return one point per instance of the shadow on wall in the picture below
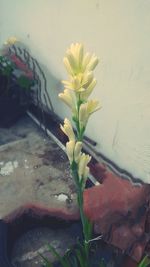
(53, 85)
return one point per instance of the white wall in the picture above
(118, 31)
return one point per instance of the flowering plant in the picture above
(13, 68)
(77, 90)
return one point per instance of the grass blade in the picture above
(80, 258)
(145, 262)
(47, 263)
(62, 260)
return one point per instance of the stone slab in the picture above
(33, 169)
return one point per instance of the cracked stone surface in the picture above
(34, 175)
(34, 169)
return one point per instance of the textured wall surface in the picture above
(118, 32)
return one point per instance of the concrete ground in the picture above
(33, 169)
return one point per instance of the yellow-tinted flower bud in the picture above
(85, 176)
(76, 84)
(80, 68)
(86, 109)
(89, 90)
(77, 151)
(92, 63)
(67, 84)
(11, 40)
(72, 61)
(77, 51)
(67, 98)
(84, 160)
(92, 106)
(74, 56)
(67, 65)
(73, 49)
(70, 150)
(87, 79)
(83, 115)
(80, 54)
(86, 173)
(68, 130)
(85, 61)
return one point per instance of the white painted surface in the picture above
(8, 167)
(118, 31)
(62, 197)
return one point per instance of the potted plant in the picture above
(16, 80)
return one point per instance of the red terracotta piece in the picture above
(37, 209)
(119, 210)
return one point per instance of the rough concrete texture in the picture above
(34, 175)
(119, 210)
(34, 169)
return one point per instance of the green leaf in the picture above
(82, 248)
(82, 130)
(145, 262)
(7, 70)
(24, 82)
(88, 228)
(80, 258)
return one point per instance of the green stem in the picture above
(86, 225)
(79, 130)
(84, 220)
